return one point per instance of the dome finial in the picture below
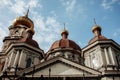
(96, 29)
(95, 21)
(64, 27)
(27, 12)
(64, 33)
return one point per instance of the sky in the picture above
(49, 17)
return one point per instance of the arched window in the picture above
(28, 62)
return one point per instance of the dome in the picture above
(24, 20)
(64, 43)
(65, 48)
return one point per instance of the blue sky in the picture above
(49, 15)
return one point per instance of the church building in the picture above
(21, 57)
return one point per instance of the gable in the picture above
(59, 66)
(60, 69)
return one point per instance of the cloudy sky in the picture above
(49, 15)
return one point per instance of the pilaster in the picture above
(16, 58)
(106, 56)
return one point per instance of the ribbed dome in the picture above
(64, 43)
(24, 20)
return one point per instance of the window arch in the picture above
(28, 62)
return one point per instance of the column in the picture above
(10, 59)
(5, 66)
(90, 61)
(102, 58)
(87, 61)
(35, 61)
(112, 56)
(106, 56)
(22, 58)
(16, 58)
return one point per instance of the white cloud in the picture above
(69, 5)
(18, 7)
(53, 13)
(108, 5)
(47, 30)
(34, 4)
(4, 3)
(39, 23)
(52, 24)
(3, 33)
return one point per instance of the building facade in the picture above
(21, 57)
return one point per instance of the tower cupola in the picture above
(96, 29)
(97, 33)
(64, 33)
(26, 21)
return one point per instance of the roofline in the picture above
(21, 44)
(108, 41)
(76, 75)
(69, 62)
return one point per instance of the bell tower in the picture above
(102, 54)
(93, 55)
(19, 48)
